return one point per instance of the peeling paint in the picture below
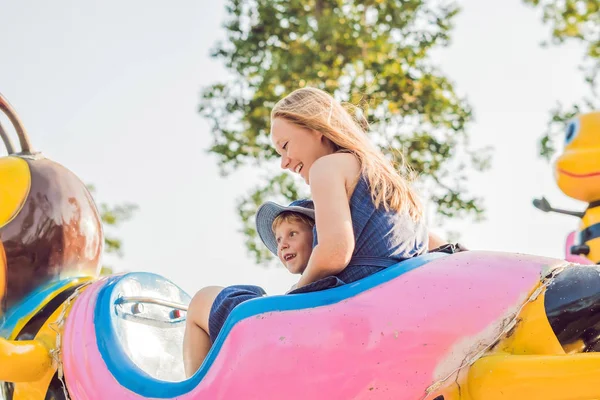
(468, 350)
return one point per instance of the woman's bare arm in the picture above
(328, 177)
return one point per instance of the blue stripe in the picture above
(134, 379)
(590, 233)
(28, 305)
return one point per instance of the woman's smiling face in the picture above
(298, 147)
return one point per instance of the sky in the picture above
(111, 91)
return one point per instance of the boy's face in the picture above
(294, 245)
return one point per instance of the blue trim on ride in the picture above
(28, 305)
(136, 380)
(590, 233)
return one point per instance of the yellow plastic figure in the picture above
(577, 173)
(50, 245)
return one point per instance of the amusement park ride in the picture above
(577, 173)
(471, 325)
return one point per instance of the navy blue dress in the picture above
(383, 238)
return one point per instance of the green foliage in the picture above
(574, 20)
(112, 217)
(372, 53)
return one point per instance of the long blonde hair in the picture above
(314, 109)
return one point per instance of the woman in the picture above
(367, 215)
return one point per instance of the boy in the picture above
(288, 232)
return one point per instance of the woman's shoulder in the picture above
(336, 169)
(345, 163)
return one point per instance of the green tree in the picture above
(572, 20)
(372, 53)
(112, 217)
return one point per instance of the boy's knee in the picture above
(199, 307)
